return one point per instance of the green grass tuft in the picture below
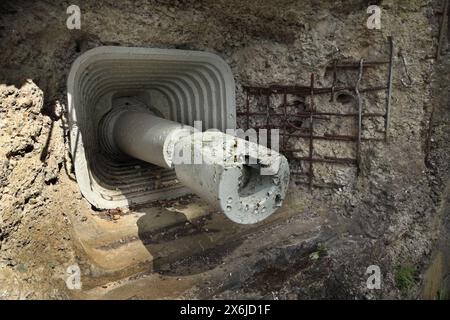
(405, 277)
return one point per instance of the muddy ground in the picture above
(394, 214)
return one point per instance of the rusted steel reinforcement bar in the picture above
(389, 90)
(315, 114)
(346, 161)
(326, 137)
(323, 185)
(305, 91)
(283, 146)
(333, 137)
(444, 20)
(333, 86)
(358, 141)
(330, 137)
(311, 134)
(268, 116)
(355, 64)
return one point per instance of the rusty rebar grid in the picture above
(285, 118)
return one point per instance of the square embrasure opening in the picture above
(183, 86)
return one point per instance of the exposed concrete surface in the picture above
(388, 216)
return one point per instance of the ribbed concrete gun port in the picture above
(178, 85)
(246, 181)
(130, 117)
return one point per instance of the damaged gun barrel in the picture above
(246, 181)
